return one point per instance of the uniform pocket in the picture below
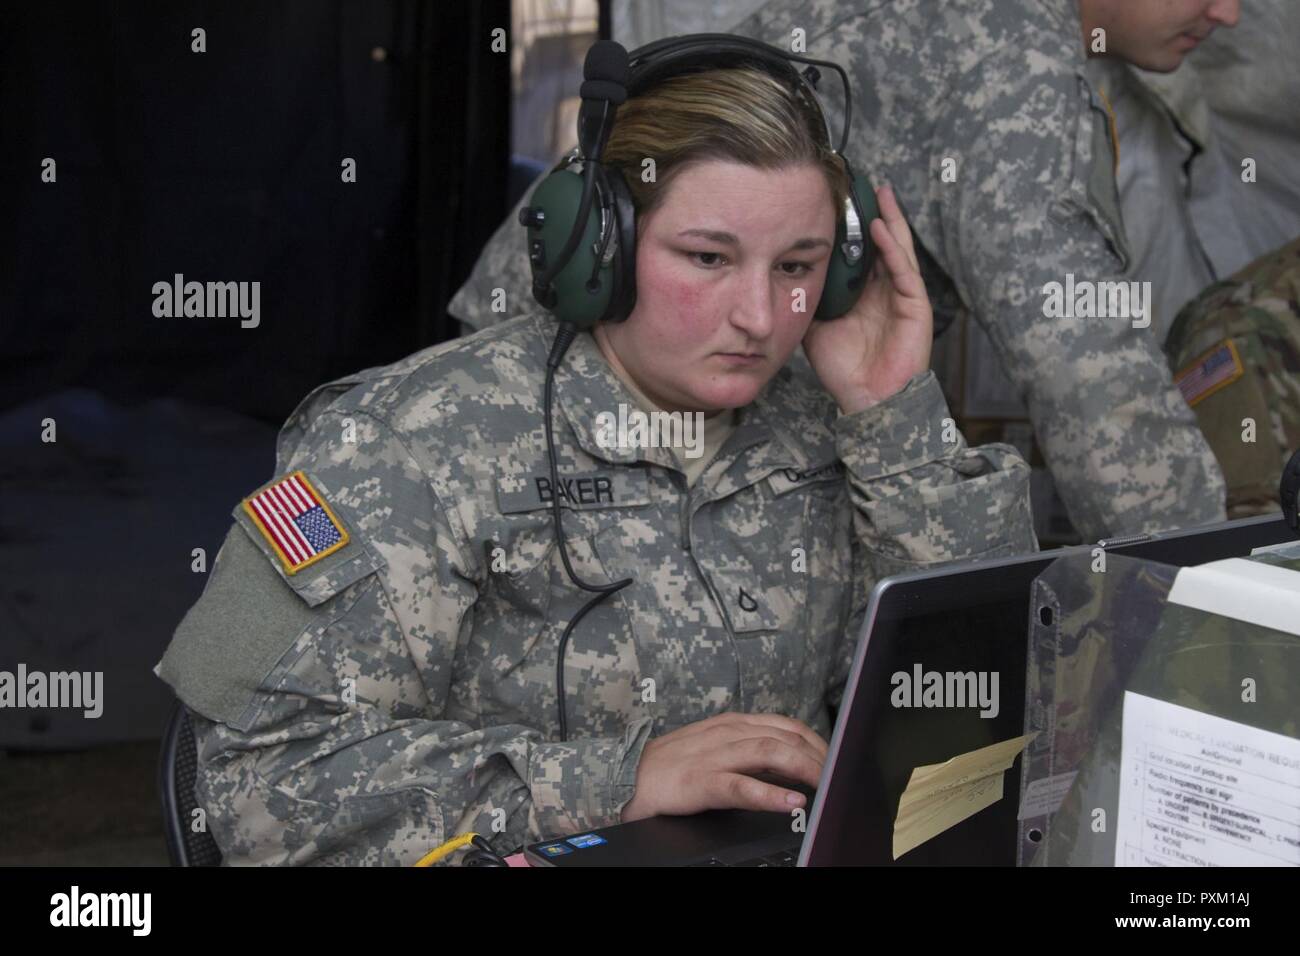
(757, 560)
(521, 616)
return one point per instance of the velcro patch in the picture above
(296, 521)
(617, 488)
(787, 479)
(1216, 369)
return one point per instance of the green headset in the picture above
(581, 221)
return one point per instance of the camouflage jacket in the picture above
(982, 116)
(401, 689)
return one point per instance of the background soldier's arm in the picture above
(503, 264)
(1029, 207)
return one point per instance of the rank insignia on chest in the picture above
(296, 521)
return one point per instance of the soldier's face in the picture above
(1155, 34)
(732, 261)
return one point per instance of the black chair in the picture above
(177, 767)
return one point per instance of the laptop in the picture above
(965, 616)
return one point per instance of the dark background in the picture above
(225, 166)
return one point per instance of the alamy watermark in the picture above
(1098, 300)
(76, 908)
(210, 300)
(634, 428)
(922, 688)
(75, 689)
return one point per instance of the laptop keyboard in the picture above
(783, 858)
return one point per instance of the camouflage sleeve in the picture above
(1033, 203)
(921, 496)
(503, 264)
(357, 747)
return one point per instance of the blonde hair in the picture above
(744, 114)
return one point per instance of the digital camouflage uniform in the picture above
(1000, 87)
(442, 614)
(1235, 351)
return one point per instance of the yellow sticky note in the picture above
(941, 795)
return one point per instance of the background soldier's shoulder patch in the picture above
(296, 521)
(1216, 369)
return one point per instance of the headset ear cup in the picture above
(546, 205)
(845, 280)
(624, 300)
(558, 199)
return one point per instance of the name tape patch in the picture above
(615, 489)
(296, 521)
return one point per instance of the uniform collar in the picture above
(1182, 94)
(784, 427)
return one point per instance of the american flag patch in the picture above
(1215, 369)
(296, 521)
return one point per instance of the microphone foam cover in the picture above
(605, 71)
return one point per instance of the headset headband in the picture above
(673, 56)
(658, 59)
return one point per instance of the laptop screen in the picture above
(967, 619)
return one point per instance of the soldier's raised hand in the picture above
(870, 352)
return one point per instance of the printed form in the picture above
(1198, 790)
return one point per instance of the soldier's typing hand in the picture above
(709, 765)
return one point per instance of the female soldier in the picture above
(372, 667)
